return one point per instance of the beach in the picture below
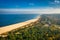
(16, 26)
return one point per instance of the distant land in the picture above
(54, 18)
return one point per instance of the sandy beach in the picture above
(15, 26)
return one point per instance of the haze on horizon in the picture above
(30, 6)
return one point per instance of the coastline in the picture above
(16, 26)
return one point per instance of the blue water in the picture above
(8, 19)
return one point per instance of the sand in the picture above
(15, 26)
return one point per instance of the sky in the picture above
(38, 6)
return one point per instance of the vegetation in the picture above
(53, 18)
(36, 32)
(39, 31)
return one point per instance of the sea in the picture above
(8, 19)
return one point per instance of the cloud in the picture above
(31, 4)
(54, 4)
(57, 1)
(34, 11)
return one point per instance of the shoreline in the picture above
(5, 29)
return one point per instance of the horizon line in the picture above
(39, 11)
